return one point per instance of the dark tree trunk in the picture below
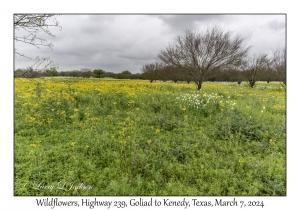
(199, 85)
(252, 83)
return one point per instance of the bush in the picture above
(234, 123)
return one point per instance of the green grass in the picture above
(159, 142)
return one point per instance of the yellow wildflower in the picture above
(130, 102)
(33, 145)
(272, 142)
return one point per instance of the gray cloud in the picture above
(276, 25)
(189, 21)
(126, 42)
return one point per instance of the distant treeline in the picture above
(153, 73)
(97, 73)
(163, 74)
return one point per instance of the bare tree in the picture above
(278, 65)
(150, 71)
(162, 75)
(87, 74)
(85, 69)
(186, 77)
(27, 73)
(254, 66)
(199, 53)
(239, 77)
(170, 73)
(29, 29)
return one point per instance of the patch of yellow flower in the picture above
(33, 145)
(272, 142)
(95, 119)
(130, 102)
(49, 120)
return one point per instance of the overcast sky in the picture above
(116, 43)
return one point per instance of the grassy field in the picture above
(132, 137)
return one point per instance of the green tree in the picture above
(98, 72)
(52, 72)
(126, 72)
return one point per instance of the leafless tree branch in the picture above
(199, 53)
(254, 66)
(34, 25)
(278, 64)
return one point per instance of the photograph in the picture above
(179, 104)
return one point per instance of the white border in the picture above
(8, 201)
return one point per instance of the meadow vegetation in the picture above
(133, 137)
